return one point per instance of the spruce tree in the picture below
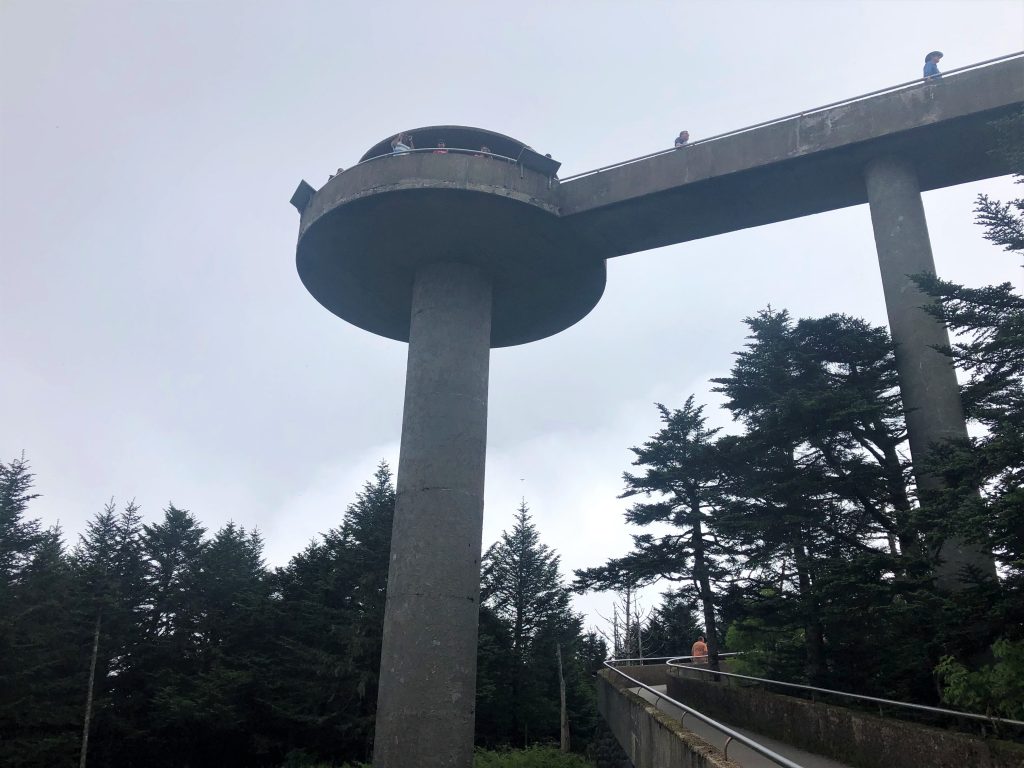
(328, 625)
(109, 569)
(18, 535)
(521, 584)
(228, 692)
(156, 690)
(42, 686)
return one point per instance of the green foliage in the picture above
(767, 651)
(534, 757)
(42, 679)
(522, 584)
(987, 324)
(525, 619)
(18, 536)
(995, 689)
(674, 625)
(681, 483)
(328, 620)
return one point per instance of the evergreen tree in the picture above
(593, 652)
(155, 685)
(521, 584)
(819, 500)
(989, 324)
(674, 625)
(983, 500)
(494, 708)
(109, 569)
(18, 536)
(42, 686)
(34, 595)
(328, 628)
(682, 471)
(227, 690)
(367, 531)
(780, 503)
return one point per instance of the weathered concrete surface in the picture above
(649, 737)
(852, 737)
(739, 752)
(366, 232)
(797, 167)
(928, 386)
(648, 674)
(426, 701)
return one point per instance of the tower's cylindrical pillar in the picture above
(426, 701)
(931, 396)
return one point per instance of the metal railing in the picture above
(643, 659)
(861, 697)
(918, 81)
(731, 735)
(438, 151)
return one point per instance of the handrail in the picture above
(733, 735)
(889, 89)
(439, 151)
(860, 696)
(673, 658)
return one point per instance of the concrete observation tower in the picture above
(460, 251)
(455, 253)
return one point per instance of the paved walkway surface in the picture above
(740, 752)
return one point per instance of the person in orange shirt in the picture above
(699, 651)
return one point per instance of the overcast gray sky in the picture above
(158, 344)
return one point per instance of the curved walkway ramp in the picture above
(668, 715)
(657, 732)
(741, 753)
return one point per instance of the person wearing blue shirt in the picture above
(931, 66)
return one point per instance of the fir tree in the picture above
(329, 623)
(109, 568)
(18, 536)
(42, 686)
(521, 584)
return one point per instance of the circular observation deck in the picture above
(364, 234)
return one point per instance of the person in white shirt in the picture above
(402, 143)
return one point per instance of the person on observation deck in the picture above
(402, 143)
(682, 138)
(442, 148)
(931, 66)
(699, 651)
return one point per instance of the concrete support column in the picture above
(931, 396)
(426, 702)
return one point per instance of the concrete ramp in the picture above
(797, 166)
(651, 738)
(853, 737)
